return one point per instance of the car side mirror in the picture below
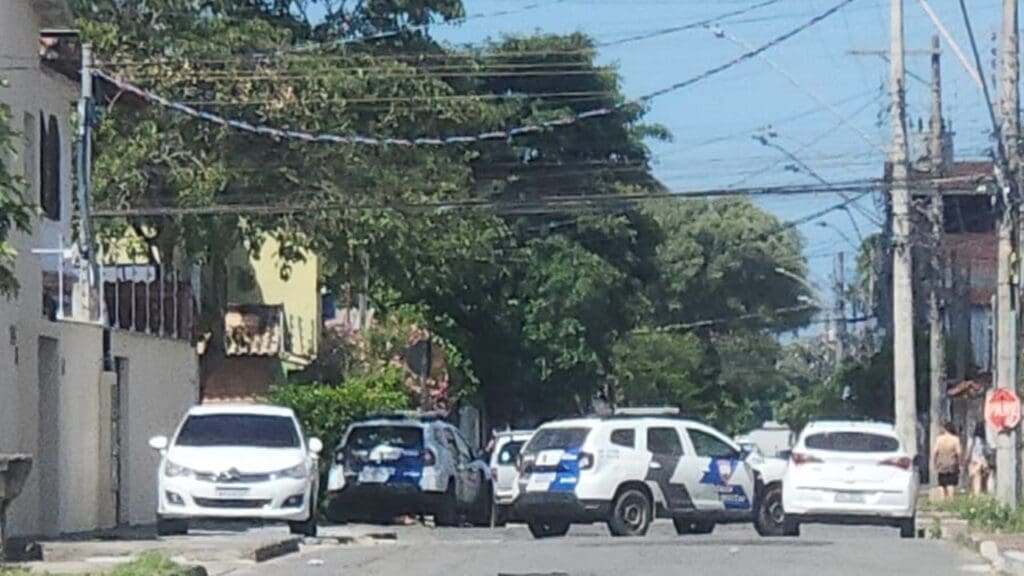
(316, 446)
(158, 443)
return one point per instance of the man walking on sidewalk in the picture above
(946, 459)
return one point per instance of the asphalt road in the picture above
(590, 551)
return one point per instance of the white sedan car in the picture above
(238, 462)
(850, 473)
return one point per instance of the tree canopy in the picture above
(15, 212)
(548, 306)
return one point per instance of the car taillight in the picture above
(585, 460)
(903, 463)
(428, 457)
(798, 458)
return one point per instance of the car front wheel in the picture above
(447, 513)
(631, 514)
(684, 526)
(171, 526)
(769, 519)
(548, 528)
(481, 513)
(307, 527)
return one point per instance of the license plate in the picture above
(850, 498)
(374, 475)
(230, 492)
(540, 482)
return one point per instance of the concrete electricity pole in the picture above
(937, 340)
(85, 308)
(840, 309)
(902, 270)
(1006, 315)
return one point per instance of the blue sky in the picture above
(713, 121)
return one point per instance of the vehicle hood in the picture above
(246, 460)
(770, 468)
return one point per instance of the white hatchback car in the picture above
(850, 473)
(238, 462)
(504, 456)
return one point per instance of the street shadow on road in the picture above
(774, 543)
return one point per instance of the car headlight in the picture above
(172, 470)
(298, 471)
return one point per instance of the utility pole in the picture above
(840, 309)
(902, 270)
(365, 296)
(1006, 308)
(88, 269)
(936, 338)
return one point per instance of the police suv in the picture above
(408, 463)
(637, 465)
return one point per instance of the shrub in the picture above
(986, 514)
(326, 411)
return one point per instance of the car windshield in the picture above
(852, 442)
(249, 430)
(557, 438)
(509, 452)
(368, 437)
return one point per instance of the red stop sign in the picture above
(1002, 410)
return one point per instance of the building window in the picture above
(29, 162)
(49, 167)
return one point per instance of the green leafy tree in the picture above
(729, 259)
(663, 369)
(15, 212)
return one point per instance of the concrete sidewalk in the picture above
(209, 551)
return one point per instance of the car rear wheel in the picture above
(686, 526)
(631, 513)
(770, 520)
(548, 528)
(790, 527)
(171, 526)
(447, 513)
(908, 528)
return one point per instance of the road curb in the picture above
(1005, 563)
(370, 538)
(276, 549)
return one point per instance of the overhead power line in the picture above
(306, 49)
(300, 135)
(536, 206)
(684, 27)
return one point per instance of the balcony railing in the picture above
(149, 299)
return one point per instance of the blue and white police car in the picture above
(408, 463)
(635, 466)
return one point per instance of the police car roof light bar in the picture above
(647, 411)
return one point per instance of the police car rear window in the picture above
(369, 437)
(852, 442)
(557, 438)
